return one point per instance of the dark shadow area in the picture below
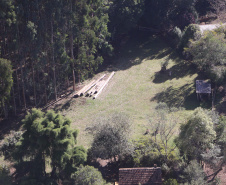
(139, 46)
(179, 70)
(184, 96)
(220, 100)
(11, 124)
(66, 104)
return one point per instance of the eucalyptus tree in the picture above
(6, 82)
(124, 15)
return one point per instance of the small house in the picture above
(140, 176)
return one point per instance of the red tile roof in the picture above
(143, 176)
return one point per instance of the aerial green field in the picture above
(137, 87)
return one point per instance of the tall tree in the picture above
(6, 82)
(124, 15)
(197, 135)
(163, 127)
(209, 54)
(48, 136)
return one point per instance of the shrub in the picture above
(88, 175)
(197, 135)
(193, 174)
(9, 143)
(208, 54)
(171, 182)
(111, 137)
(175, 37)
(190, 32)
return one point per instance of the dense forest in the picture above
(48, 48)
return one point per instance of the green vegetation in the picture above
(197, 135)
(137, 87)
(193, 174)
(111, 137)
(47, 137)
(6, 83)
(147, 115)
(209, 53)
(88, 175)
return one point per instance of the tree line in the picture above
(51, 43)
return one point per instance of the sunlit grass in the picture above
(137, 87)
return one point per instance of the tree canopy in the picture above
(48, 137)
(111, 137)
(209, 54)
(88, 175)
(196, 135)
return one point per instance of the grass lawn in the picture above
(137, 87)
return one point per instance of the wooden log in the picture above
(105, 83)
(91, 90)
(79, 93)
(96, 88)
(87, 88)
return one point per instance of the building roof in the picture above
(203, 86)
(143, 176)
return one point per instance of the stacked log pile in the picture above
(94, 88)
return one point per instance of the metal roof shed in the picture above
(203, 87)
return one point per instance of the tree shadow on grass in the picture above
(140, 46)
(179, 70)
(183, 96)
(65, 105)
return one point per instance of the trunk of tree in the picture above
(53, 173)
(72, 53)
(46, 96)
(22, 82)
(72, 57)
(18, 87)
(53, 58)
(68, 83)
(5, 109)
(33, 74)
(14, 100)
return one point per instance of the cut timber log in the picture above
(99, 86)
(91, 89)
(90, 92)
(105, 83)
(88, 87)
(95, 88)
(80, 92)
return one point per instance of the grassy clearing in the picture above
(137, 87)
